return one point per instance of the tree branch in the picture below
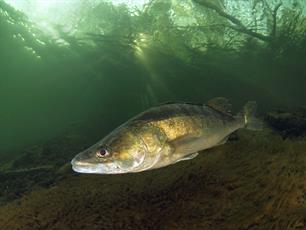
(238, 25)
(274, 16)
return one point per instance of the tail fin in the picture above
(248, 115)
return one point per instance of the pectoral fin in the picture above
(184, 140)
(185, 144)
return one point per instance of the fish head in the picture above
(120, 152)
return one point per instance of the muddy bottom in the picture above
(255, 181)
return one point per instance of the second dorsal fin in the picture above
(220, 104)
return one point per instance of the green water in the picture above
(81, 68)
(88, 66)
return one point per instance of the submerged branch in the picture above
(238, 25)
(274, 15)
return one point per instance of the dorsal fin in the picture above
(220, 104)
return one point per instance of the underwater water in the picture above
(71, 71)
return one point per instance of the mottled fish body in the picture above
(164, 135)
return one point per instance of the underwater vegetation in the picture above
(111, 59)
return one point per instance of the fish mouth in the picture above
(96, 168)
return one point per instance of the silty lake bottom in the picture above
(73, 71)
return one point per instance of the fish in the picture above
(164, 135)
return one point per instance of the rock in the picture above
(288, 124)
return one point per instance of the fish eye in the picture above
(102, 153)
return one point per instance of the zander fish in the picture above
(164, 135)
